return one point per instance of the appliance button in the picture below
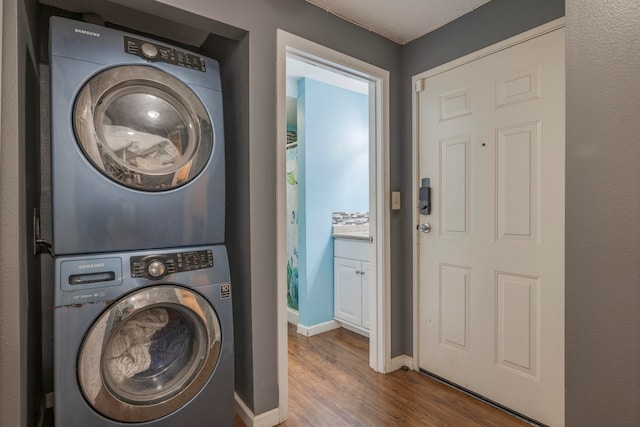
(149, 51)
(156, 269)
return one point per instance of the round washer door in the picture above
(149, 353)
(143, 128)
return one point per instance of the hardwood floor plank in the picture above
(331, 384)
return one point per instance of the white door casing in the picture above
(490, 294)
(380, 310)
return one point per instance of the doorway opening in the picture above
(327, 171)
(308, 62)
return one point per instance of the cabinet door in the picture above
(366, 303)
(347, 290)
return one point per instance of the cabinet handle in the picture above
(357, 271)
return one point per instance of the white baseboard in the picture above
(309, 331)
(354, 328)
(292, 316)
(268, 419)
(400, 361)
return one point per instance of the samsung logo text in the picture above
(88, 33)
(96, 265)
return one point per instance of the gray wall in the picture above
(603, 214)
(12, 370)
(20, 322)
(489, 24)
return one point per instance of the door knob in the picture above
(424, 228)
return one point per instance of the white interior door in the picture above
(491, 271)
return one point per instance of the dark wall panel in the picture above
(234, 66)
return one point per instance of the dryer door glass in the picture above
(149, 353)
(143, 128)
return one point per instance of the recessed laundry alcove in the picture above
(230, 47)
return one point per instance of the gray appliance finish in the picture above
(144, 339)
(137, 142)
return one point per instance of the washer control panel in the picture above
(155, 52)
(157, 266)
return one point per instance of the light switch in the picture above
(395, 200)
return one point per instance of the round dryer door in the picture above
(143, 128)
(149, 353)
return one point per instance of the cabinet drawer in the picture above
(352, 249)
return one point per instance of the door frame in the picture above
(379, 203)
(417, 81)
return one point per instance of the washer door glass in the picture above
(143, 128)
(149, 353)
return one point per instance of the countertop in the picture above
(353, 232)
(352, 236)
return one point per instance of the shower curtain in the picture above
(292, 227)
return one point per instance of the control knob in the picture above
(156, 269)
(149, 51)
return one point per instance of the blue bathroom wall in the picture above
(333, 175)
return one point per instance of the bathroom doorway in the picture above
(313, 64)
(327, 181)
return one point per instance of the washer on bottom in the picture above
(144, 338)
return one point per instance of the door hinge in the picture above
(419, 85)
(39, 245)
(48, 400)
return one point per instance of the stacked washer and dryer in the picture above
(143, 330)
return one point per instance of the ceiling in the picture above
(399, 20)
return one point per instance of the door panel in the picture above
(518, 192)
(491, 291)
(454, 306)
(517, 321)
(455, 186)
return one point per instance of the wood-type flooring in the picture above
(331, 385)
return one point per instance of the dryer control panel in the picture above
(156, 52)
(157, 266)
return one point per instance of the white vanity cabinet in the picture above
(351, 284)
